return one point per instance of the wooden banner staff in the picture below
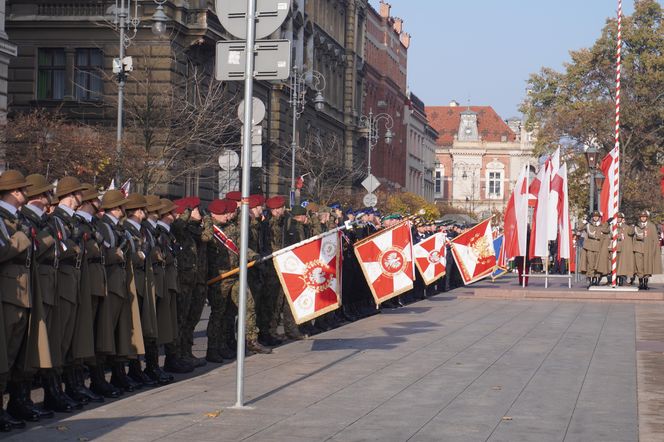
(347, 225)
(406, 219)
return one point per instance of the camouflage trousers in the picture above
(279, 309)
(223, 300)
(190, 318)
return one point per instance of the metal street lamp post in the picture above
(464, 175)
(298, 99)
(127, 19)
(370, 125)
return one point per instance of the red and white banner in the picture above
(608, 199)
(539, 242)
(552, 209)
(386, 259)
(311, 277)
(430, 257)
(516, 220)
(224, 240)
(559, 187)
(474, 253)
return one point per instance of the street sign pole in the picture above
(244, 212)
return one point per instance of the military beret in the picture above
(349, 211)
(255, 201)
(182, 205)
(298, 210)
(218, 207)
(194, 202)
(335, 206)
(235, 195)
(275, 202)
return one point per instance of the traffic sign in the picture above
(228, 160)
(272, 60)
(371, 183)
(270, 14)
(258, 112)
(370, 200)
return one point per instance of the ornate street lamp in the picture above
(298, 99)
(591, 153)
(369, 124)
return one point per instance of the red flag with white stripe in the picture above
(430, 257)
(386, 260)
(474, 253)
(539, 243)
(311, 277)
(608, 200)
(516, 221)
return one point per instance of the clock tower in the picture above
(468, 126)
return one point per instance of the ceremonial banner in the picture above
(430, 257)
(311, 277)
(473, 252)
(501, 263)
(386, 260)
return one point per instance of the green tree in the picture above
(578, 105)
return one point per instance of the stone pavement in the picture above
(443, 369)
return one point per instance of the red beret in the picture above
(275, 202)
(256, 200)
(181, 205)
(236, 195)
(194, 201)
(231, 205)
(218, 207)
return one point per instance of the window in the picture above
(439, 181)
(495, 179)
(88, 83)
(51, 74)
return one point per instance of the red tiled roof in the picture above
(445, 119)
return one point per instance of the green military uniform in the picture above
(624, 250)
(591, 248)
(647, 253)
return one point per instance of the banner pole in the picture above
(616, 162)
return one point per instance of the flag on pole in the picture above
(112, 185)
(608, 199)
(552, 208)
(430, 257)
(311, 277)
(474, 253)
(126, 187)
(516, 221)
(559, 187)
(386, 260)
(224, 240)
(540, 189)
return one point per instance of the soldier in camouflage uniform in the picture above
(192, 272)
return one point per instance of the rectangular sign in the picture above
(272, 60)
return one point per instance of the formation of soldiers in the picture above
(638, 250)
(92, 283)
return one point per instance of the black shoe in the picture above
(157, 374)
(53, 396)
(269, 340)
(213, 356)
(257, 347)
(18, 406)
(136, 374)
(100, 386)
(42, 413)
(72, 390)
(73, 403)
(194, 361)
(227, 353)
(8, 423)
(82, 390)
(296, 336)
(119, 377)
(175, 365)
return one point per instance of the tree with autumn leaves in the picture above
(577, 107)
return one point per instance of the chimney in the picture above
(385, 9)
(454, 103)
(398, 25)
(405, 40)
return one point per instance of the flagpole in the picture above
(526, 265)
(616, 163)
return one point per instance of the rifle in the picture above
(347, 226)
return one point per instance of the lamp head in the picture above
(159, 20)
(319, 101)
(388, 136)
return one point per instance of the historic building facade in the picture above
(421, 141)
(385, 89)
(478, 156)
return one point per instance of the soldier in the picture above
(143, 277)
(93, 286)
(167, 303)
(647, 253)
(69, 192)
(192, 272)
(120, 341)
(624, 250)
(591, 248)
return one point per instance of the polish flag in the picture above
(608, 198)
(539, 237)
(516, 220)
(552, 209)
(559, 187)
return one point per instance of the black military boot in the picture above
(100, 386)
(18, 406)
(645, 283)
(119, 377)
(7, 423)
(188, 356)
(43, 413)
(79, 379)
(256, 347)
(137, 375)
(213, 355)
(71, 389)
(152, 369)
(227, 352)
(53, 396)
(173, 364)
(640, 283)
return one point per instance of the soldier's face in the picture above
(278, 212)
(19, 194)
(643, 219)
(195, 214)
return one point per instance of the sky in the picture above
(483, 51)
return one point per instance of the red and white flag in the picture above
(559, 187)
(516, 220)
(430, 257)
(552, 208)
(474, 253)
(539, 243)
(386, 259)
(224, 240)
(311, 277)
(608, 200)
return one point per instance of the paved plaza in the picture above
(448, 368)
